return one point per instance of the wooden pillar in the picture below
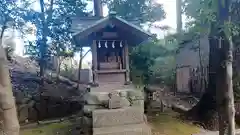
(127, 63)
(94, 62)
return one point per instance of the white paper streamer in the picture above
(121, 45)
(113, 44)
(99, 44)
(106, 44)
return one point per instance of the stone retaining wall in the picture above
(34, 108)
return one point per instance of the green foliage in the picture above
(11, 13)
(11, 17)
(153, 61)
(140, 10)
(59, 33)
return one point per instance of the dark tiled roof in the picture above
(81, 23)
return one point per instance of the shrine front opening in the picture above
(111, 61)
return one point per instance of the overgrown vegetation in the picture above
(158, 57)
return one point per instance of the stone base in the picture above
(136, 129)
(116, 117)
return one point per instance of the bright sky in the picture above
(169, 7)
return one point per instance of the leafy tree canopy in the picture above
(140, 10)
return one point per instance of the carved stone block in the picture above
(115, 117)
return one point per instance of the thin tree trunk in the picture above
(43, 45)
(8, 110)
(58, 67)
(201, 68)
(226, 99)
(229, 94)
(80, 66)
(221, 87)
(206, 108)
(179, 15)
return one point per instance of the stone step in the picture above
(136, 129)
(117, 117)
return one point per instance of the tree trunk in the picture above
(206, 109)
(43, 44)
(58, 67)
(225, 94)
(80, 67)
(179, 15)
(202, 86)
(230, 95)
(10, 124)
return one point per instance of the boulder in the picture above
(137, 103)
(87, 109)
(23, 114)
(91, 99)
(32, 114)
(55, 110)
(135, 95)
(116, 101)
(20, 97)
(42, 109)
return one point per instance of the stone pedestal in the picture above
(116, 113)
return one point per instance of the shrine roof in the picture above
(82, 28)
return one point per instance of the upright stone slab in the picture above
(114, 101)
(135, 129)
(116, 117)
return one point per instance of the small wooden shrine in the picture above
(110, 38)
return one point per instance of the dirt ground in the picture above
(165, 123)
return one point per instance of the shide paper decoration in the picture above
(113, 44)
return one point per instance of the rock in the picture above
(75, 106)
(145, 118)
(135, 95)
(19, 97)
(125, 102)
(23, 114)
(42, 109)
(32, 114)
(86, 122)
(87, 109)
(118, 100)
(115, 101)
(36, 98)
(54, 110)
(91, 99)
(137, 103)
(123, 94)
(86, 125)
